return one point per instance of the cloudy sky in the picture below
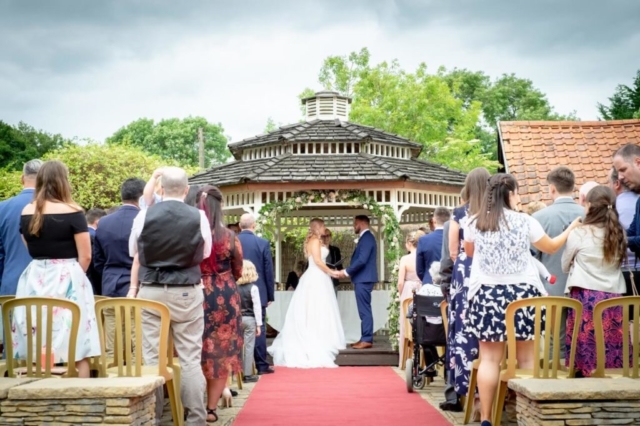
(85, 68)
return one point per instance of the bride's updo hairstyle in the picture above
(314, 232)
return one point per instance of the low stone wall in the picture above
(576, 402)
(108, 401)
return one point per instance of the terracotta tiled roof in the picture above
(531, 149)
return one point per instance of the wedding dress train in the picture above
(312, 334)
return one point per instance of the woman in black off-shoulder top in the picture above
(55, 231)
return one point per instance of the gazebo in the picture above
(329, 168)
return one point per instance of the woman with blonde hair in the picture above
(312, 334)
(55, 231)
(408, 279)
(251, 309)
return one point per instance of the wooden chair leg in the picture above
(176, 413)
(239, 380)
(176, 378)
(498, 405)
(468, 406)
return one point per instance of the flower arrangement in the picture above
(391, 233)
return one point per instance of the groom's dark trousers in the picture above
(363, 272)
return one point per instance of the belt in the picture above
(168, 285)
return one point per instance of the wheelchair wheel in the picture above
(408, 375)
(420, 381)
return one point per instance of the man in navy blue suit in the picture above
(258, 251)
(364, 275)
(430, 246)
(14, 257)
(111, 258)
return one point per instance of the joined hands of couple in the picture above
(337, 274)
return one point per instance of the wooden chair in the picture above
(407, 344)
(130, 364)
(40, 326)
(99, 298)
(174, 364)
(626, 371)
(543, 367)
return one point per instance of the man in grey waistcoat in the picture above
(168, 241)
(554, 220)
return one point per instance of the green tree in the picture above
(96, 171)
(10, 184)
(21, 143)
(342, 73)
(175, 139)
(625, 102)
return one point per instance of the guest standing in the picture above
(592, 258)
(55, 231)
(498, 238)
(14, 256)
(408, 280)
(463, 346)
(222, 344)
(168, 242)
(95, 277)
(258, 251)
(554, 220)
(111, 253)
(626, 201)
(430, 246)
(251, 316)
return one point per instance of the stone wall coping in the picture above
(577, 389)
(116, 387)
(7, 383)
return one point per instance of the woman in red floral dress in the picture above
(222, 340)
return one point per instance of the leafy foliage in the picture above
(174, 139)
(269, 213)
(10, 184)
(97, 171)
(22, 143)
(625, 102)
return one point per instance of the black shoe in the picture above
(250, 379)
(451, 406)
(485, 423)
(233, 393)
(431, 373)
(267, 371)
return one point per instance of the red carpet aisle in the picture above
(354, 396)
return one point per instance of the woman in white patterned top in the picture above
(498, 238)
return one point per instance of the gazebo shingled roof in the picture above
(336, 168)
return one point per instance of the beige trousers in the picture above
(187, 327)
(110, 330)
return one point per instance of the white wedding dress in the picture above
(312, 333)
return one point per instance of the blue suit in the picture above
(14, 256)
(111, 251)
(429, 251)
(258, 251)
(364, 275)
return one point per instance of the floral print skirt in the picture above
(487, 319)
(223, 340)
(61, 279)
(585, 361)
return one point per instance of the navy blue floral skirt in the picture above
(486, 319)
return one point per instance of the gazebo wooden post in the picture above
(381, 248)
(278, 250)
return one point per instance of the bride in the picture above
(312, 333)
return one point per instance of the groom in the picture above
(364, 276)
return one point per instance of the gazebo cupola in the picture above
(327, 106)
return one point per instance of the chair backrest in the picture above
(407, 321)
(128, 314)
(626, 303)
(552, 306)
(98, 298)
(445, 319)
(40, 326)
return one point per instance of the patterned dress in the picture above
(222, 340)
(586, 345)
(462, 347)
